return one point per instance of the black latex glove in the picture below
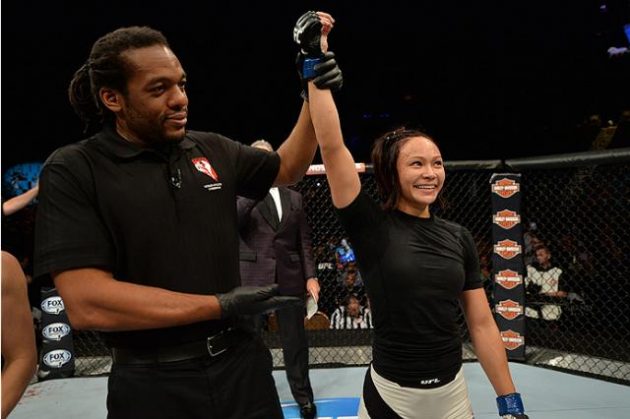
(250, 301)
(328, 74)
(307, 34)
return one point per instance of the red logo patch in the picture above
(203, 165)
(506, 219)
(509, 309)
(512, 339)
(507, 249)
(508, 279)
(505, 187)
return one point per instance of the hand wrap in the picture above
(511, 406)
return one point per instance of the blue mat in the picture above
(340, 408)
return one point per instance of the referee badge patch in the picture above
(203, 165)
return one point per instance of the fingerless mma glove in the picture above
(307, 34)
(312, 64)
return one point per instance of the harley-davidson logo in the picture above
(509, 309)
(508, 279)
(507, 249)
(512, 339)
(506, 219)
(505, 187)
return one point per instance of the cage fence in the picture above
(576, 252)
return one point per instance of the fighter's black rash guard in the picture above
(415, 270)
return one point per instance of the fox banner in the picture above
(507, 262)
(57, 353)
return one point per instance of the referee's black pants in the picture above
(236, 384)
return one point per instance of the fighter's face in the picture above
(420, 174)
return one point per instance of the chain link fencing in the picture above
(576, 252)
(576, 247)
(577, 256)
(466, 200)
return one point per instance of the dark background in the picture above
(487, 79)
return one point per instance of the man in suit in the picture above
(275, 246)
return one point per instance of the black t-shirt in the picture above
(415, 270)
(159, 217)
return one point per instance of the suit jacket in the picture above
(270, 252)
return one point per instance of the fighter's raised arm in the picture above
(340, 169)
(416, 368)
(297, 151)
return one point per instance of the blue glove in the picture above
(511, 406)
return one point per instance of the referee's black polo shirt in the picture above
(164, 218)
